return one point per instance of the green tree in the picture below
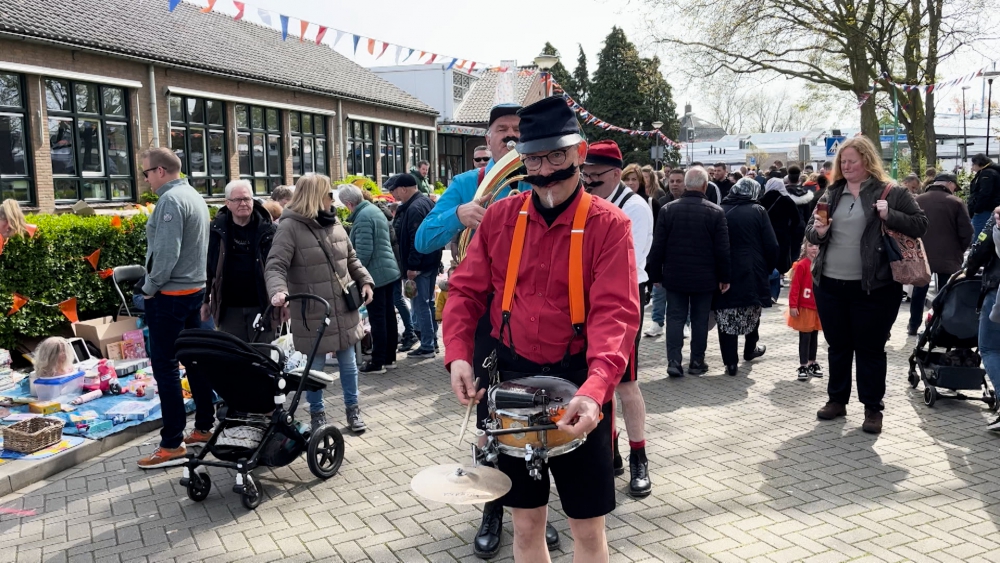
(660, 105)
(559, 72)
(581, 77)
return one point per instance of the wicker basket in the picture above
(29, 436)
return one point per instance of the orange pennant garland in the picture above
(371, 46)
(2, 242)
(32, 229)
(68, 308)
(94, 257)
(19, 301)
(304, 26)
(116, 222)
(207, 9)
(106, 273)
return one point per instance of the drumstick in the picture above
(468, 412)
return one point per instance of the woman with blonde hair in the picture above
(856, 296)
(633, 178)
(311, 253)
(12, 221)
(649, 178)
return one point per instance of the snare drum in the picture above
(558, 393)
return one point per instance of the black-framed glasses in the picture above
(241, 200)
(589, 175)
(555, 158)
(145, 173)
(481, 159)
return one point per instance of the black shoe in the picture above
(911, 331)
(408, 343)
(815, 370)
(369, 367)
(551, 537)
(994, 426)
(487, 542)
(755, 353)
(618, 464)
(697, 368)
(674, 369)
(732, 370)
(640, 486)
(803, 374)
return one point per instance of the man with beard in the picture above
(720, 173)
(522, 251)
(454, 212)
(602, 176)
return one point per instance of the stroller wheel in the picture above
(326, 451)
(913, 378)
(993, 402)
(930, 396)
(199, 486)
(251, 496)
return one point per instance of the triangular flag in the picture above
(422, 53)
(284, 27)
(451, 64)
(19, 301)
(304, 25)
(68, 308)
(265, 16)
(461, 65)
(1, 245)
(240, 6)
(356, 39)
(409, 53)
(398, 51)
(106, 273)
(371, 46)
(94, 257)
(385, 46)
(472, 66)
(433, 56)
(207, 9)
(116, 222)
(337, 38)
(173, 4)
(32, 229)
(320, 34)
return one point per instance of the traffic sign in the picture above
(753, 161)
(832, 144)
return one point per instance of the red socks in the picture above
(637, 445)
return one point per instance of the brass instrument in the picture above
(493, 183)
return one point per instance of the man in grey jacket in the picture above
(174, 290)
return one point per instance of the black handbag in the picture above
(351, 293)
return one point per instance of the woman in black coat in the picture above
(785, 220)
(753, 252)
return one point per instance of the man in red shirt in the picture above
(537, 335)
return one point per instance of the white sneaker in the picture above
(654, 330)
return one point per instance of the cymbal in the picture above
(455, 483)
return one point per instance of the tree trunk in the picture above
(934, 13)
(916, 132)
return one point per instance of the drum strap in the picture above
(577, 308)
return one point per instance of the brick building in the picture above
(86, 85)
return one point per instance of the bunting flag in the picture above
(173, 4)
(371, 46)
(68, 308)
(929, 88)
(409, 53)
(265, 16)
(32, 229)
(356, 39)
(433, 56)
(303, 27)
(461, 65)
(862, 98)
(385, 47)
(284, 27)
(19, 301)
(207, 9)
(106, 273)
(451, 64)
(472, 66)
(398, 51)
(94, 257)
(337, 38)
(116, 222)
(240, 7)
(422, 53)
(320, 34)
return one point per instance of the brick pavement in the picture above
(742, 471)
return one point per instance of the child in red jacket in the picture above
(802, 315)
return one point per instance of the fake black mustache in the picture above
(591, 185)
(542, 181)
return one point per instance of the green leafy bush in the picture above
(148, 197)
(439, 188)
(369, 184)
(50, 268)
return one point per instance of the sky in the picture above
(488, 33)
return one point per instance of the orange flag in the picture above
(68, 308)
(31, 230)
(94, 257)
(305, 26)
(2, 242)
(106, 273)
(371, 46)
(116, 222)
(19, 301)
(207, 9)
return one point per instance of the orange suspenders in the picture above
(577, 309)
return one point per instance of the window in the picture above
(198, 138)
(15, 171)
(258, 142)
(89, 141)
(360, 149)
(420, 146)
(392, 151)
(308, 143)
(451, 159)
(460, 85)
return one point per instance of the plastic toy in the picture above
(106, 380)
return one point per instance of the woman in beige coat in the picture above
(312, 254)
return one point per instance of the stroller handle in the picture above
(259, 324)
(302, 296)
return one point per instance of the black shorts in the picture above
(483, 346)
(632, 367)
(584, 477)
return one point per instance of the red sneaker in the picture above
(164, 457)
(198, 437)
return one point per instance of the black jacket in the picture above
(724, 185)
(984, 191)
(753, 251)
(983, 254)
(690, 252)
(409, 216)
(217, 244)
(786, 221)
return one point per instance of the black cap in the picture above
(946, 177)
(501, 110)
(547, 125)
(400, 181)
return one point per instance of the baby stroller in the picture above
(254, 427)
(953, 325)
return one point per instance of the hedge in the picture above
(50, 268)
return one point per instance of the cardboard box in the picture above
(104, 331)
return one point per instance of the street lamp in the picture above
(989, 75)
(545, 62)
(965, 131)
(656, 127)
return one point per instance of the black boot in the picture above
(618, 464)
(551, 537)
(487, 542)
(640, 485)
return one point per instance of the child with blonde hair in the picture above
(54, 357)
(802, 315)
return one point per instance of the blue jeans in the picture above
(775, 281)
(979, 221)
(423, 310)
(403, 307)
(166, 317)
(348, 365)
(659, 305)
(989, 339)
